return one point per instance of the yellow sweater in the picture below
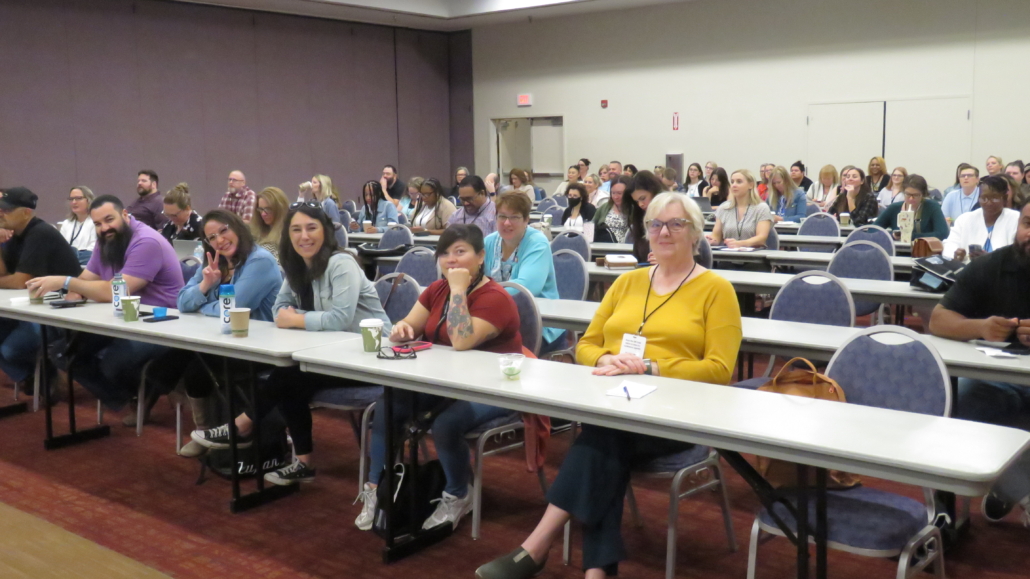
(696, 336)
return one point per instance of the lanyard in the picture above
(76, 231)
(740, 233)
(501, 271)
(650, 281)
(990, 233)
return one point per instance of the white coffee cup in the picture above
(366, 224)
(845, 219)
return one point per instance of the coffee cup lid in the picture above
(239, 310)
(371, 323)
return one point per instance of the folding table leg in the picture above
(74, 436)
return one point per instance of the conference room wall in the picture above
(741, 74)
(95, 90)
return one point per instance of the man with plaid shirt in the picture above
(239, 199)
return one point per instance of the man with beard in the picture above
(148, 207)
(35, 249)
(477, 208)
(991, 301)
(109, 367)
(239, 199)
(392, 186)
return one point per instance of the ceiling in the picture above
(444, 15)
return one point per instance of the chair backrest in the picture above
(402, 219)
(395, 236)
(561, 200)
(539, 193)
(811, 209)
(545, 204)
(399, 304)
(814, 297)
(874, 233)
(822, 224)
(570, 273)
(556, 213)
(573, 240)
(189, 267)
(345, 218)
(862, 260)
(420, 264)
(772, 242)
(350, 206)
(892, 367)
(530, 324)
(703, 254)
(341, 233)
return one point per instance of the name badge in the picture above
(633, 344)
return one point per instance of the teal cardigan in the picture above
(534, 268)
(931, 221)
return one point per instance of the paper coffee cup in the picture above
(366, 224)
(239, 322)
(372, 334)
(130, 308)
(845, 219)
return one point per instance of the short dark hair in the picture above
(515, 201)
(104, 200)
(578, 187)
(647, 180)
(246, 239)
(585, 161)
(298, 274)
(476, 182)
(631, 168)
(995, 183)
(391, 167)
(799, 165)
(963, 167)
(1017, 163)
(149, 173)
(915, 181)
(468, 233)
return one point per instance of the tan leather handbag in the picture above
(927, 246)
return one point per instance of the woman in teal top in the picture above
(518, 253)
(929, 219)
(376, 209)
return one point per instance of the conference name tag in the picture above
(633, 344)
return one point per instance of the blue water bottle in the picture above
(227, 298)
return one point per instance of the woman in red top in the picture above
(467, 311)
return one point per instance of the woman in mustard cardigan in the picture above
(694, 336)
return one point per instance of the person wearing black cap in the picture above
(35, 250)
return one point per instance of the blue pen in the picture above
(626, 390)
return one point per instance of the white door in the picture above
(929, 137)
(842, 134)
(514, 146)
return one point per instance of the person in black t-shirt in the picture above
(392, 185)
(991, 301)
(36, 249)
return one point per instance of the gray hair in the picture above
(695, 219)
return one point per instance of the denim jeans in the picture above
(1006, 405)
(449, 429)
(19, 346)
(110, 368)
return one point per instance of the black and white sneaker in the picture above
(994, 508)
(219, 438)
(298, 472)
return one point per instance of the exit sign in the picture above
(524, 100)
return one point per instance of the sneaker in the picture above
(515, 565)
(219, 438)
(368, 508)
(449, 509)
(192, 449)
(298, 472)
(994, 508)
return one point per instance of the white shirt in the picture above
(598, 197)
(574, 222)
(970, 229)
(818, 194)
(887, 196)
(692, 189)
(423, 217)
(80, 235)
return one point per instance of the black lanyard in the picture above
(75, 232)
(740, 233)
(447, 306)
(650, 281)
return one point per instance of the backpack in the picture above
(807, 384)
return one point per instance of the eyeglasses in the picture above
(509, 218)
(232, 180)
(391, 354)
(312, 204)
(264, 210)
(221, 233)
(172, 215)
(675, 225)
(968, 175)
(466, 200)
(73, 199)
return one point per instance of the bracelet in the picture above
(67, 282)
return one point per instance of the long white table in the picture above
(356, 239)
(825, 242)
(780, 258)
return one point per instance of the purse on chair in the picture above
(927, 246)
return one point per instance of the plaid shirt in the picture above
(241, 202)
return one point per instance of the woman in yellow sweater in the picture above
(690, 320)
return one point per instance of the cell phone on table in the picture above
(152, 319)
(1017, 349)
(412, 347)
(67, 303)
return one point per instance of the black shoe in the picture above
(298, 472)
(995, 508)
(219, 438)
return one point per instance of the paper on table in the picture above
(635, 390)
(996, 353)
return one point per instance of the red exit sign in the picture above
(524, 100)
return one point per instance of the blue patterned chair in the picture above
(345, 219)
(350, 206)
(419, 263)
(399, 304)
(811, 209)
(572, 240)
(340, 231)
(561, 200)
(863, 260)
(395, 236)
(546, 204)
(820, 224)
(570, 273)
(402, 219)
(539, 193)
(884, 367)
(556, 213)
(772, 242)
(874, 233)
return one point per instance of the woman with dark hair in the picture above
(325, 290)
(376, 209)
(468, 311)
(459, 175)
(878, 177)
(630, 170)
(719, 190)
(695, 183)
(929, 219)
(855, 198)
(986, 229)
(519, 181)
(579, 210)
(610, 224)
(639, 195)
(432, 209)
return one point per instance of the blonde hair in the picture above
(178, 196)
(832, 172)
(883, 165)
(788, 187)
(753, 198)
(695, 219)
(416, 182)
(325, 188)
(88, 194)
(279, 205)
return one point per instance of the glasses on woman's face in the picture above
(513, 219)
(221, 233)
(173, 215)
(265, 210)
(676, 225)
(73, 199)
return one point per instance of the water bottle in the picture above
(198, 254)
(227, 297)
(118, 290)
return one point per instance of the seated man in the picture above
(34, 250)
(110, 367)
(991, 301)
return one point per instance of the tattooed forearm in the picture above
(459, 321)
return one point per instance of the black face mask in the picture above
(574, 201)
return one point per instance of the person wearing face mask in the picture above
(183, 221)
(929, 220)
(579, 210)
(986, 229)
(477, 208)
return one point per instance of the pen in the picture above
(626, 390)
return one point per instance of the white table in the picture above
(829, 242)
(356, 239)
(772, 258)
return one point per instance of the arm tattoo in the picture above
(459, 320)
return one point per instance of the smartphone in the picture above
(67, 303)
(412, 346)
(152, 319)
(1017, 348)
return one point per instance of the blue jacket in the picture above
(532, 268)
(385, 213)
(256, 284)
(796, 210)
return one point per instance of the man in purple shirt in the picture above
(148, 207)
(109, 367)
(477, 208)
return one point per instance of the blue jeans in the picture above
(110, 368)
(19, 346)
(449, 429)
(1006, 405)
(559, 343)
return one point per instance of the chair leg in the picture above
(673, 531)
(632, 499)
(100, 411)
(543, 479)
(752, 551)
(566, 550)
(477, 486)
(731, 536)
(363, 443)
(923, 550)
(38, 382)
(178, 428)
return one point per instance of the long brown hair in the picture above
(279, 204)
(244, 245)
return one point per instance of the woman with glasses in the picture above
(78, 229)
(467, 311)
(406, 204)
(579, 210)
(744, 220)
(983, 230)
(267, 229)
(376, 209)
(432, 209)
(695, 184)
(685, 323)
(325, 291)
(894, 192)
(183, 221)
(929, 221)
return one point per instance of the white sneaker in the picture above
(1025, 515)
(368, 508)
(449, 509)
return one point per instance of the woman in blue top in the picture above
(787, 202)
(518, 253)
(376, 209)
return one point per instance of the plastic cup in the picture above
(130, 308)
(372, 334)
(239, 322)
(511, 365)
(34, 300)
(160, 312)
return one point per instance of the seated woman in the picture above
(645, 187)
(929, 219)
(519, 181)
(571, 176)
(321, 188)
(579, 210)
(406, 204)
(983, 230)
(376, 210)
(695, 337)
(469, 311)
(516, 252)
(610, 224)
(894, 191)
(272, 206)
(432, 209)
(325, 290)
(786, 201)
(78, 229)
(855, 198)
(183, 221)
(744, 220)
(718, 191)
(595, 195)
(695, 183)
(824, 191)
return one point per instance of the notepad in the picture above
(635, 390)
(995, 353)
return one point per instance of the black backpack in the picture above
(431, 482)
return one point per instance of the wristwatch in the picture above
(648, 369)
(67, 282)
